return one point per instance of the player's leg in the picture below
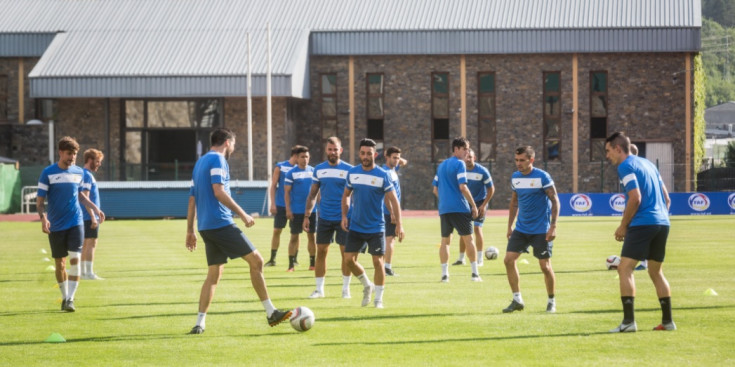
(462, 250)
(57, 242)
(311, 238)
(88, 249)
(479, 243)
(320, 269)
(390, 230)
(517, 243)
(354, 244)
(214, 274)
(635, 247)
(376, 248)
(293, 243)
(464, 225)
(75, 241)
(657, 253)
(542, 250)
(346, 274)
(446, 232)
(279, 223)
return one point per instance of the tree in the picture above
(721, 11)
(730, 154)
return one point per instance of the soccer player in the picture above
(456, 206)
(393, 162)
(536, 205)
(212, 206)
(278, 202)
(329, 183)
(643, 229)
(60, 183)
(644, 263)
(369, 185)
(92, 162)
(481, 187)
(296, 190)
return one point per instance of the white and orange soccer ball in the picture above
(302, 318)
(612, 262)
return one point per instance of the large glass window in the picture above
(329, 105)
(375, 109)
(3, 97)
(598, 114)
(163, 139)
(486, 115)
(439, 116)
(552, 116)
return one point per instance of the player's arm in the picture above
(551, 193)
(310, 202)
(631, 207)
(287, 198)
(90, 205)
(435, 191)
(346, 208)
(272, 192)
(483, 207)
(191, 237)
(666, 196)
(402, 162)
(228, 201)
(92, 217)
(468, 196)
(41, 207)
(393, 200)
(512, 212)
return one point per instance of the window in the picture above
(45, 109)
(486, 116)
(329, 105)
(552, 116)
(163, 139)
(375, 110)
(598, 114)
(439, 116)
(3, 97)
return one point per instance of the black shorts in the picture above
(480, 216)
(280, 219)
(327, 231)
(646, 242)
(297, 223)
(390, 228)
(357, 241)
(228, 241)
(88, 231)
(519, 242)
(65, 241)
(461, 221)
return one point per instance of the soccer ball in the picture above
(302, 318)
(491, 253)
(612, 262)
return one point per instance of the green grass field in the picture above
(141, 313)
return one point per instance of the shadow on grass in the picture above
(184, 314)
(37, 312)
(125, 338)
(473, 339)
(674, 309)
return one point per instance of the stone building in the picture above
(145, 82)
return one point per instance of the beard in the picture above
(333, 158)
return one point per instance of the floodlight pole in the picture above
(250, 115)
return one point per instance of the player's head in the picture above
(633, 149)
(367, 152)
(333, 149)
(93, 159)
(470, 159)
(617, 147)
(524, 158)
(223, 136)
(302, 155)
(68, 149)
(392, 156)
(460, 145)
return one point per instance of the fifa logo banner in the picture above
(682, 203)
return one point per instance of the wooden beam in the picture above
(463, 96)
(351, 88)
(575, 124)
(687, 122)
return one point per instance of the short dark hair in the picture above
(220, 135)
(298, 149)
(392, 150)
(68, 143)
(618, 139)
(527, 150)
(334, 140)
(460, 142)
(368, 143)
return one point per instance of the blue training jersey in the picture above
(331, 181)
(534, 206)
(300, 182)
(449, 175)
(368, 192)
(636, 172)
(61, 188)
(478, 181)
(393, 175)
(90, 184)
(211, 168)
(284, 167)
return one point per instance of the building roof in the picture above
(158, 48)
(720, 120)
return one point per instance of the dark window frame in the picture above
(546, 118)
(434, 118)
(491, 117)
(375, 119)
(323, 96)
(4, 94)
(595, 141)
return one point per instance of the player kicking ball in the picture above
(211, 204)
